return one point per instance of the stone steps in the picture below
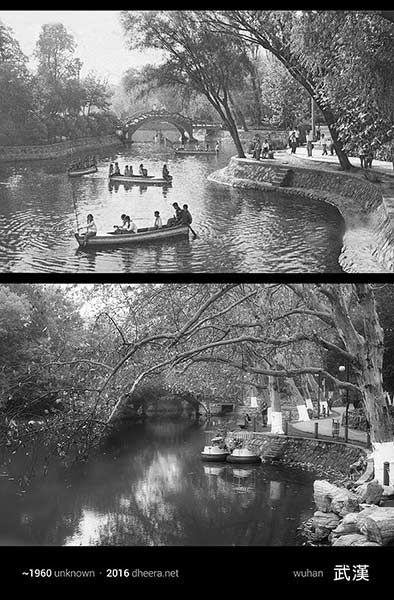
(280, 176)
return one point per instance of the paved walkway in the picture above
(325, 427)
(317, 160)
(383, 168)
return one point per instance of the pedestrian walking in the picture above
(264, 413)
(324, 145)
(293, 143)
(309, 144)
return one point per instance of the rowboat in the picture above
(139, 179)
(196, 152)
(149, 234)
(80, 172)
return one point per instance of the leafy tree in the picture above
(195, 56)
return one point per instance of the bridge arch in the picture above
(134, 122)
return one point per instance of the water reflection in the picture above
(151, 488)
(239, 230)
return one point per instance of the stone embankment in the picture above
(58, 150)
(326, 459)
(368, 244)
(350, 517)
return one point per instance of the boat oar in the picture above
(193, 232)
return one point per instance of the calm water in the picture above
(241, 231)
(152, 489)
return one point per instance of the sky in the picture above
(98, 33)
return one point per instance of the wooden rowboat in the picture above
(196, 152)
(80, 172)
(148, 234)
(138, 179)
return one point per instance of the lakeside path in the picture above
(325, 428)
(383, 168)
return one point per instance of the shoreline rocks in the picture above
(347, 518)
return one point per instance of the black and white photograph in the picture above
(196, 141)
(197, 415)
(196, 298)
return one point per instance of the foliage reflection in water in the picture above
(150, 488)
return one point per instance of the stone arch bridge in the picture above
(134, 122)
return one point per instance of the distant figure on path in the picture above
(362, 156)
(368, 157)
(293, 143)
(257, 149)
(324, 145)
(264, 413)
(331, 146)
(265, 150)
(309, 144)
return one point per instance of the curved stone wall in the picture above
(58, 150)
(329, 459)
(368, 244)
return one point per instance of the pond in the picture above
(238, 230)
(150, 488)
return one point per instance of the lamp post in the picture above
(342, 368)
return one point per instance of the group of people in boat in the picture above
(83, 163)
(182, 217)
(199, 148)
(114, 170)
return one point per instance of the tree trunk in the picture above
(276, 413)
(230, 122)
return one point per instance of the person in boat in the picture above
(141, 170)
(90, 229)
(111, 170)
(126, 171)
(125, 224)
(132, 226)
(158, 224)
(131, 174)
(166, 173)
(187, 218)
(117, 169)
(177, 218)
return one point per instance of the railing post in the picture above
(254, 423)
(346, 433)
(286, 427)
(316, 430)
(368, 439)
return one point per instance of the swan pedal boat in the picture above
(243, 456)
(214, 454)
(150, 179)
(80, 172)
(143, 235)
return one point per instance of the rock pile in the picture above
(351, 518)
